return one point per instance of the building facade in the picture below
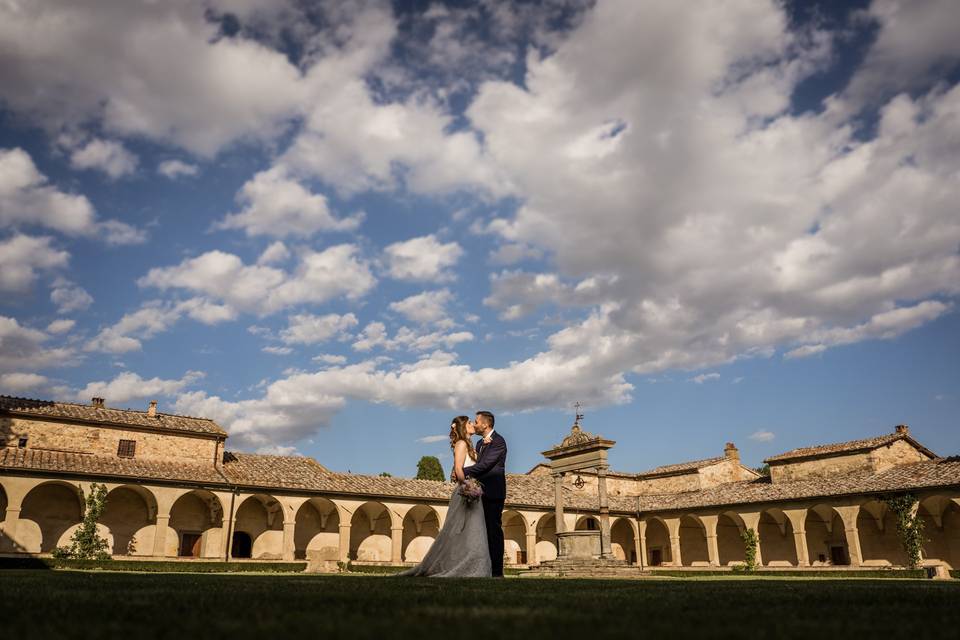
(175, 492)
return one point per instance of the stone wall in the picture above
(879, 459)
(669, 484)
(899, 452)
(104, 440)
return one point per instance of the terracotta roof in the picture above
(852, 446)
(81, 463)
(104, 415)
(682, 467)
(287, 472)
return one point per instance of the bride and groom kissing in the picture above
(470, 544)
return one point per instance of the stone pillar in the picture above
(642, 546)
(532, 548)
(9, 529)
(289, 546)
(673, 528)
(710, 528)
(849, 516)
(396, 545)
(798, 522)
(605, 549)
(160, 534)
(344, 542)
(752, 521)
(558, 499)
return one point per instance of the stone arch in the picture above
(196, 518)
(693, 542)
(879, 543)
(370, 530)
(260, 516)
(5, 543)
(130, 515)
(587, 523)
(658, 543)
(421, 524)
(777, 546)
(730, 545)
(514, 537)
(317, 530)
(826, 538)
(547, 548)
(941, 530)
(622, 540)
(48, 514)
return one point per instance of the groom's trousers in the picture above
(492, 514)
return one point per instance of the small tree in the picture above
(909, 526)
(763, 470)
(429, 468)
(86, 543)
(750, 544)
(385, 474)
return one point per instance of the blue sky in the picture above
(333, 226)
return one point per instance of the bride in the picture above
(460, 550)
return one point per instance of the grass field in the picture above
(75, 604)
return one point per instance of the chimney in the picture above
(731, 452)
(97, 402)
(152, 411)
(903, 430)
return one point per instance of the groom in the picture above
(489, 470)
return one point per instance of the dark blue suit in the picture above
(490, 470)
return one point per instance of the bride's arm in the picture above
(459, 455)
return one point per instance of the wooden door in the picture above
(656, 557)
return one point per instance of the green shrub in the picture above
(909, 526)
(161, 566)
(750, 544)
(86, 543)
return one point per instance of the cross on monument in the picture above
(579, 416)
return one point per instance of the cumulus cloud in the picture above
(63, 325)
(130, 386)
(762, 436)
(426, 307)
(276, 252)
(328, 358)
(174, 169)
(705, 377)
(23, 256)
(277, 351)
(23, 349)
(375, 335)
(432, 439)
(306, 328)
(19, 382)
(422, 259)
(152, 318)
(108, 156)
(69, 296)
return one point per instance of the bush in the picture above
(750, 544)
(909, 526)
(86, 543)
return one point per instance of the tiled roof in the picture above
(286, 472)
(104, 415)
(81, 463)
(682, 467)
(852, 446)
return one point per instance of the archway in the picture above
(826, 539)
(622, 542)
(197, 519)
(941, 531)
(317, 532)
(48, 512)
(658, 543)
(879, 543)
(547, 538)
(260, 516)
(730, 545)
(5, 543)
(241, 545)
(420, 528)
(514, 538)
(130, 515)
(693, 542)
(777, 546)
(587, 523)
(370, 533)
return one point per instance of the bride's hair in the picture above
(458, 431)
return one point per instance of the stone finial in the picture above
(903, 430)
(731, 452)
(97, 402)
(578, 436)
(152, 411)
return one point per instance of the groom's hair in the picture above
(488, 417)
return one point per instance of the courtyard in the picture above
(79, 604)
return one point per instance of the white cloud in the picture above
(276, 205)
(422, 259)
(108, 156)
(63, 325)
(426, 307)
(22, 348)
(805, 351)
(130, 386)
(18, 382)
(704, 377)
(375, 335)
(69, 296)
(331, 359)
(306, 328)
(276, 252)
(277, 351)
(432, 439)
(22, 256)
(762, 436)
(174, 169)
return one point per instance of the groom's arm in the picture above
(491, 454)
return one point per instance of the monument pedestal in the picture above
(579, 545)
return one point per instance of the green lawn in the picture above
(75, 604)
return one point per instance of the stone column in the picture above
(160, 534)
(642, 546)
(752, 521)
(532, 548)
(849, 516)
(396, 545)
(558, 499)
(344, 542)
(798, 520)
(289, 544)
(710, 528)
(605, 549)
(673, 528)
(9, 529)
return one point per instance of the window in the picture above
(22, 442)
(127, 448)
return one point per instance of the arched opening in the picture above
(260, 516)
(317, 532)
(130, 514)
(6, 545)
(241, 545)
(587, 523)
(826, 539)
(658, 543)
(48, 513)
(777, 546)
(879, 543)
(420, 528)
(693, 542)
(547, 538)
(941, 531)
(197, 521)
(730, 548)
(514, 538)
(370, 533)
(622, 542)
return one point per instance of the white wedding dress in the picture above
(460, 550)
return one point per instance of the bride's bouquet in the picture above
(471, 490)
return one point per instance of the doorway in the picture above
(190, 545)
(241, 545)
